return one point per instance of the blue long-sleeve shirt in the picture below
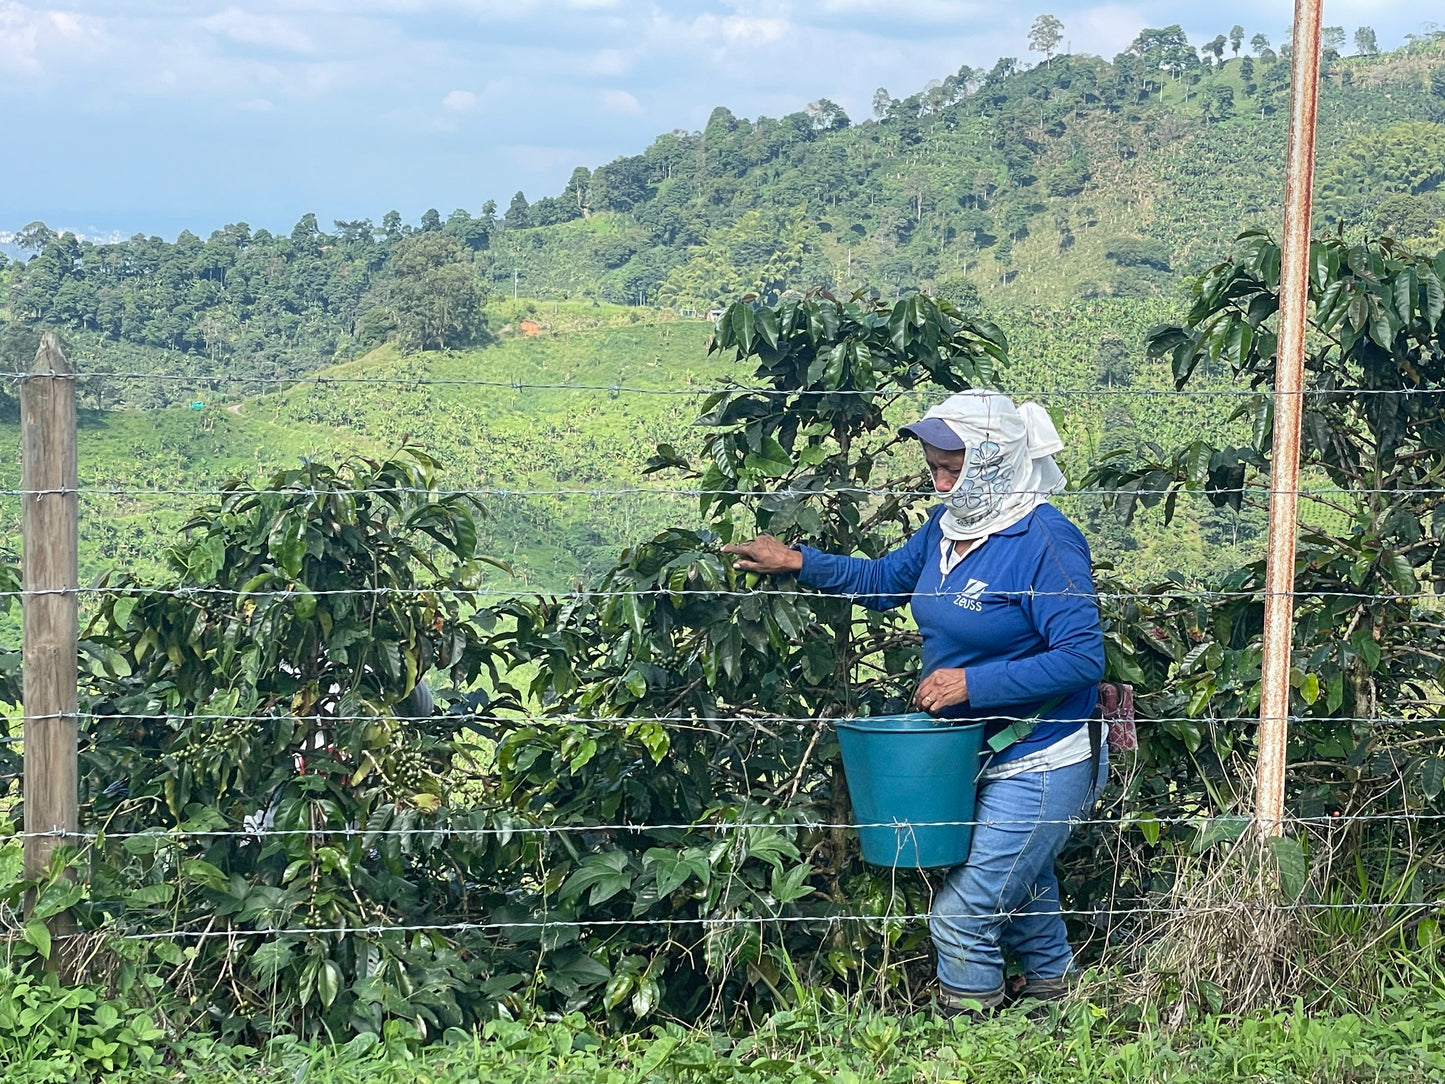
(1018, 615)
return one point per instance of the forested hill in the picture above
(1074, 178)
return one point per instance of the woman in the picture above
(1001, 587)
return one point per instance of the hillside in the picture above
(1069, 180)
(508, 435)
(1074, 179)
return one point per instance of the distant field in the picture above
(501, 436)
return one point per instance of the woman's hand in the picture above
(767, 555)
(941, 689)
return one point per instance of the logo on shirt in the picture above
(971, 597)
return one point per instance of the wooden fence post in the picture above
(49, 533)
(1288, 411)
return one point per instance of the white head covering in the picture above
(1008, 467)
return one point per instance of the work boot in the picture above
(1022, 988)
(972, 1005)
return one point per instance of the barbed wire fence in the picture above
(51, 595)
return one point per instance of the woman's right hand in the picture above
(767, 555)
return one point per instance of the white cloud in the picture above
(932, 11)
(460, 101)
(619, 101)
(265, 31)
(27, 35)
(740, 29)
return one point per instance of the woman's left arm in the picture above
(1064, 610)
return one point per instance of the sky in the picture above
(126, 116)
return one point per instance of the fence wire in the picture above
(1122, 822)
(737, 390)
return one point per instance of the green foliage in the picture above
(272, 681)
(823, 1039)
(1408, 217)
(52, 1031)
(1403, 158)
(885, 201)
(272, 684)
(760, 254)
(435, 293)
(1365, 635)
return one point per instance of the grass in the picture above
(1083, 1043)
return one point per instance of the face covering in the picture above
(1008, 465)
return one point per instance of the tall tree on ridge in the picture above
(1044, 37)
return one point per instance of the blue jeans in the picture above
(1005, 898)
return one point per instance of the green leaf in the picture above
(304, 603)
(150, 895)
(204, 873)
(789, 886)
(122, 609)
(1220, 830)
(742, 319)
(616, 991)
(38, 934)
(1432, 776)
(771, 460)
(328, 983)
(644, 998)
(1294, 868)
(675, 867)
(605, 874)
(1150, 827)
(770, 845)
(12, 865)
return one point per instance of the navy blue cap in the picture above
(935, 431)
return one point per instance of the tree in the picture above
(827, 116)
(1113, 363)
(760, 254)
(1165, 49)
(1236, 38)
(472, 232)
(1218, 102)
(1070, 178)
(1216, 47)
(431, 220)
(1045, 35)
(517, 217)
(1259, 43)
(1365, 42)
(34, 236)
(298, 619)
(1331, 39)
(1407, 216)
(1367, 620)
(1403, 157)
(882, 102)
(577, 188)
(435, 292)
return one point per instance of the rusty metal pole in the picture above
(1288, 410)
(50, 618)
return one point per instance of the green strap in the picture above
(1020, 729)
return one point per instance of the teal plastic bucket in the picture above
(911, 778)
